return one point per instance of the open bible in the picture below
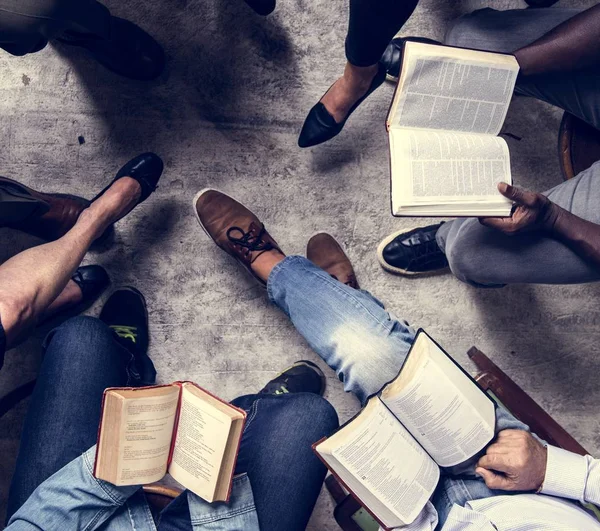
(445, 156)
(431, 415)
(181, 429)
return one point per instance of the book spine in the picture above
(175, 425)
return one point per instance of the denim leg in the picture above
(276, 453)
(452, 491)
(349, 329)
(82, 358)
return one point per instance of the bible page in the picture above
(453, 89)
(200, 444)
(395, 476)
(441, 168)
(145, 431)
(450, 416)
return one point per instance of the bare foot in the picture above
(69, 297)
(113, 204)
(348, 89)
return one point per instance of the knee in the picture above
(82, 340)
(318, 417)
(16, 313)
(466, 256)
(470, 31)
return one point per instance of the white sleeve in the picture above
(572, 476)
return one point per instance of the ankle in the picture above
(360, 75)
(265, 263)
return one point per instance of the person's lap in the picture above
(485, 257)
(82, 359)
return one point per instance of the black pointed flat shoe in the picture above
(146, 169)
(392, 56)
(92, 281)
(262, 7)
(320, 126)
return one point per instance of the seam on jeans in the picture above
(215, 518)
(92, 523)
(275, 271)
(253, 412)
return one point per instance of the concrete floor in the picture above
(226, 114)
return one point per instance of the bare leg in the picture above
(33, 279)
(68, 297)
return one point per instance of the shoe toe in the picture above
(318, 127)
(92, 280)
(146, 169)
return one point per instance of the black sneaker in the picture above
(415, 252)
(126, 314)
(302, 377)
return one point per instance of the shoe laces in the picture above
(426, 248)
(125, 332)
(250, 240)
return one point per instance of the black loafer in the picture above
(262, 7)
(92, 281)
(146, 169)
(413, 252)
(129, 52)
(392, 56)
(320, 126)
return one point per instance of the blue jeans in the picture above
(83, 358)
(364, 344)
(485, 257)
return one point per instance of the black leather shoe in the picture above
(146, 169)
(129, 52)
(92, 281)
(415, 252)
(320, 126)
(392, 56)
(262, 7)
(302, 377)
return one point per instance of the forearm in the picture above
(580, 235)
(572, 45)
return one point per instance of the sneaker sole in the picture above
(194, 201)
(398, 270)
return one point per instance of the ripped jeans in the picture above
(364, 344)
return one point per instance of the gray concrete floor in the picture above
(226, 114)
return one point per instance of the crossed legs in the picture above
(32, 280)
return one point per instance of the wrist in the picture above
(553, 218)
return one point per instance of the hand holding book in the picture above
(531, 211)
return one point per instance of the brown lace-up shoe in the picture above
(51, 218)
(326, 253)
(233, 227)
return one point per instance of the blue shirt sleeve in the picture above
(72, 498)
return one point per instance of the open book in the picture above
(182, 429)
(445, 156)
(432, 414)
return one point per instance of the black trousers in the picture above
(26, 26)
(372, 25)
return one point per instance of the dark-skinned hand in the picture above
(531, 211)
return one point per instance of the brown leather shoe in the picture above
(323, 251)
(61, 211)
(233, 227)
